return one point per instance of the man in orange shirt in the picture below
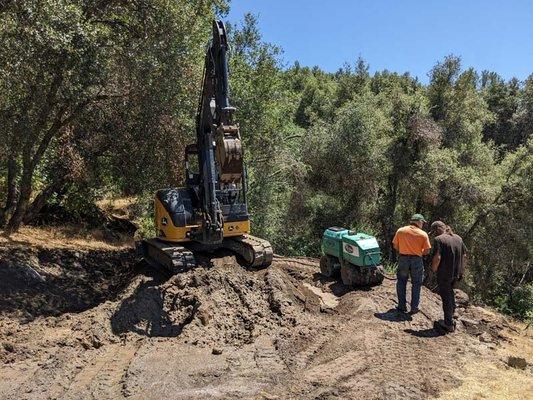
(411, 242)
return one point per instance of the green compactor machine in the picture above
(356, 257)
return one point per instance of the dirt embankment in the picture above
(92, 323)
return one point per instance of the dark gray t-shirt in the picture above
(451, 249)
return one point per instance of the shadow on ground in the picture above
(43, 282)
(393, 315)
(425, 333)
(336, 286)
(143, 312)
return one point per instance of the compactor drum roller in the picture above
(210, 212)
(356, 257)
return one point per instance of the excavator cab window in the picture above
(192, 169)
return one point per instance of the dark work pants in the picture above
(448, 299)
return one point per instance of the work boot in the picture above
(414, 311)
(444, 326)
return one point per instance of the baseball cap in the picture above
(418, 217)
(437, 224)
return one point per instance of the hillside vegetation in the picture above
(98, 100)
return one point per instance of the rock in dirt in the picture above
(8, 347)
(485, 337)
(216, 351)
(517, 362)
(328, 301)
(461, 298)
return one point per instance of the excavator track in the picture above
(256, 252)
(172, 257)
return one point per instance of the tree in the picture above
(502, 100)
(54, 68)
(112, 68)
(264, 107)
(523, 117)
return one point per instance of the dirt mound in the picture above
(106, 296)
(218, 302)
(96, 324)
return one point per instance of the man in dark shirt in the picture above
(449, 260)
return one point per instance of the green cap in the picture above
(418, 217)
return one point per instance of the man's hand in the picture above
(435, 262)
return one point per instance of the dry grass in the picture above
(65, 237)
(122, 206)
(70, 236)
(485, 378)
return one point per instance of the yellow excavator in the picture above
(210, 212)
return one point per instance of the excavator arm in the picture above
(218, 140)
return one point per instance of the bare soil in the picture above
(91, 323)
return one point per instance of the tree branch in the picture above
(481, 217)
(59, 122)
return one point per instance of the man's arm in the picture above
(462, 271)
(435, 262)
(436, 257)
(426, 247)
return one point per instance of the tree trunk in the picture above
(388, 215)
(24, 198)
(12, 172)
(59, 187)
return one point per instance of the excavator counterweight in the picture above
(211, 211)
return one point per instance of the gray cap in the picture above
(437, 224)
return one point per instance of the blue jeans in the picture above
(413, 266)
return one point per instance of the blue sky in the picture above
(401, 35)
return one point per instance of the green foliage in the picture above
(516, 303)
(79, 205)
(519, 302)
(145, 217)
(100, 97)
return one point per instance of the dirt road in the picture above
(93, 325)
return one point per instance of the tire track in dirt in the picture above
(102, 377)
(95, 374)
